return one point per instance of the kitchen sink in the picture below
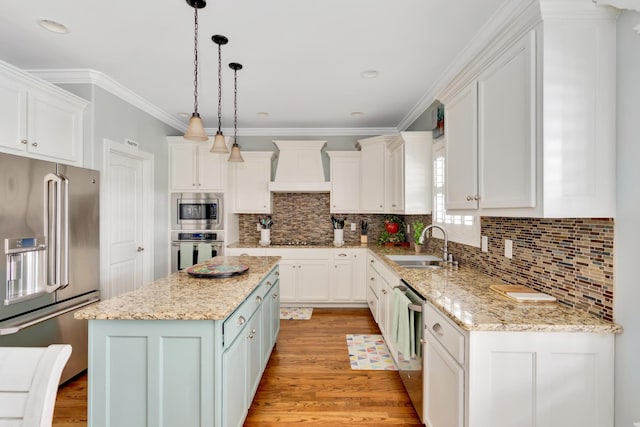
(416, 261)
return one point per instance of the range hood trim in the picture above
(299, 187)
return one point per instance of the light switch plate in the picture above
(353, 226)
(258, 227)
(508, 248)
(484, 242)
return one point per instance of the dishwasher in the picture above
(410, 366)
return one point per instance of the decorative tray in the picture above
(216, 271)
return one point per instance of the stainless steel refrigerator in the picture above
(50, 266)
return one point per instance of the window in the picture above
(460, 228)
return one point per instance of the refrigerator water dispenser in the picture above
(26, 268)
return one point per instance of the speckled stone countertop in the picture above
(464, 296)
(180, 296)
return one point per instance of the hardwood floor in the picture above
(308, 380)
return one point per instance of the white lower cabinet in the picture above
(524, 379)
(347, 275)
(382, 281)
(317, 276)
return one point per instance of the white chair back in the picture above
(29, 378)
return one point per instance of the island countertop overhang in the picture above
(180, 296)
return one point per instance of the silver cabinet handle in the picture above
(34, 144)
(476, 197)
(23, 141)
(384, 291)
(269, 284)
(275, 296)
(437, 328)
(371, 262)
(469, 198)
(241, 320)
(258, 299)
(278, 273)
(342, 255)
(252, 334)
(140, 249)
(244, 254)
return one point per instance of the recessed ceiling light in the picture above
(184, 115)
(53, 26)
(369, 74)
(262, 114)
(357, 113)
(637, 28)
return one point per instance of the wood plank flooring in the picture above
(308, 380)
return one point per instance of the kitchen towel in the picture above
(186, 255)
(204, 252)
(400, 323)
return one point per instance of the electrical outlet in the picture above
(258, 227)
(353, 226)
(408, 229)
(484, 243)
(508, 248)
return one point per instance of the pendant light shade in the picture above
(195, 130)
(219, 143)
(235, 149)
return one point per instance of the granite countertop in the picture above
(180, 296)
(463, 294)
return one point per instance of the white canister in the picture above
(338, 237)
(265, 236)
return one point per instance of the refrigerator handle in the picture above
(56, 230)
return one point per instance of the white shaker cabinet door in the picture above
(462, 154)
(251, 183)
(506, 129)
(444, 387)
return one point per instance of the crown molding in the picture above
(310, 131)
(98, 78)
(501, 19)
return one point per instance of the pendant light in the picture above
(219, 144)
(235, 149)
(195, 130)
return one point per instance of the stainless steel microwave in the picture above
(196, 211)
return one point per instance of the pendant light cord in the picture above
(235, 106)
(219, 88)
(195, 61)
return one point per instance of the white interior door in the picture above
(127, 221)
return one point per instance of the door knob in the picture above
(140, 249)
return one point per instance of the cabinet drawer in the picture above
(372, 301)
(439, 327)
(234, 324)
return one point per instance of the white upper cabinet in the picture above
(193, 167)
(345, 181)
(373, 174)
(38, 119)
(506, 130)
(530, 121)
(410, 174)
(251, 182)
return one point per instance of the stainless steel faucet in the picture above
(444, 233)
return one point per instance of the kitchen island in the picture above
(183, 351)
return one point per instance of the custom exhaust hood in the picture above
(299, 168)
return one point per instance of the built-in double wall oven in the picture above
(196, 211)
(197, 228)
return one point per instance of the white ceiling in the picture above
(302, 58)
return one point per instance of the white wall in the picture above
(627, 231)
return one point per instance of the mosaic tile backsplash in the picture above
(571, 259)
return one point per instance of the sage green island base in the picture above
(183, 351)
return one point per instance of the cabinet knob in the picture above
(241, 320)
(278, 273)
(140, 249)
(23, 141)
(437, 328)
(269, 284)
(393, 206)
(258, 299)
(372, 278)
(343, 255)
(469, 198)
(380, 206)
(275, 296)
(193, 185)
(34, 144)
(476, 197)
